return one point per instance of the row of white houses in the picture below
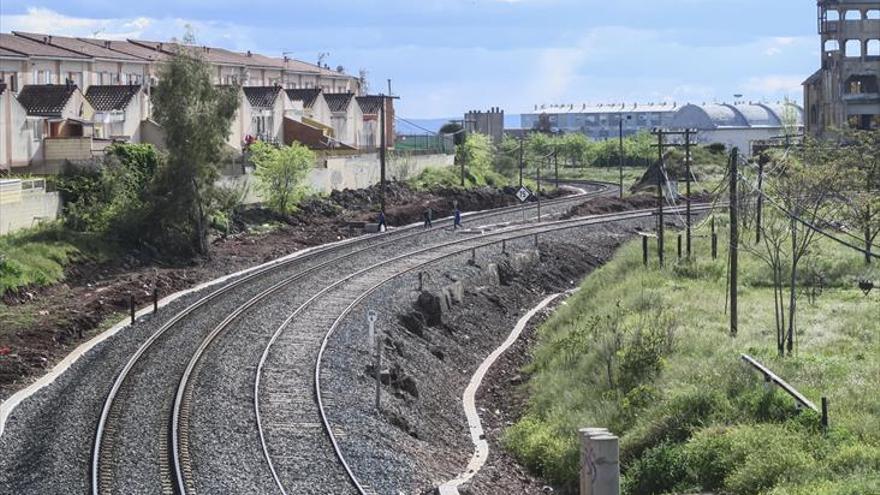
(66, 101)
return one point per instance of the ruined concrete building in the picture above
(844, 92)
(490, 123)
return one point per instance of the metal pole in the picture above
(760, 204)
(374, 339)
(131, 306)
(621, 155)
(382, 147)
(645, 249)
(825, 414)
(734, 242)
(155, 300)
(687, 165)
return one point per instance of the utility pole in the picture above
(382, 146)
(556, 166)
(660, 226)
(734, 241)
(620, 153)
(687, 166)
(521, 143)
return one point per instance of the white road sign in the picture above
(523, 194)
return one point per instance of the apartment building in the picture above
(112, 80)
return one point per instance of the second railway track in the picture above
(131, 420)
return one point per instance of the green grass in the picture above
(690, 415)
(450, 177)
(37, 257)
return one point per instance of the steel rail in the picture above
(503, 235)
(404, 233)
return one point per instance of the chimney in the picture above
(107, 44)
(249, 54)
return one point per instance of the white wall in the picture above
(353, 172)
(20, 209)
(17, 146)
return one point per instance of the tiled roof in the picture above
(261, 96)
(306, 95)
(128, 48)
(338, 102)
(107, 98)
(45, 100)
(370, 104)
(9, 53)
(280, 63)
(209, 54)
(79, 46)
(33, 48)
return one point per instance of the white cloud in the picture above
(775, 84)
(42, 20)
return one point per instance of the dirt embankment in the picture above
(38, 327)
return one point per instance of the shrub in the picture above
(856, 458)
(282, 172)
(661, 469)
(554, 457)
(867, 484)
(748, 459)
(674, 420)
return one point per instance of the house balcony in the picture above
(57, 149)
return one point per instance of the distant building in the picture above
(600, 121)
(739, 124)
(845, 92)
(490, 123)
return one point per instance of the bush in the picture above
(554, 457)
(674, 421)
(867, 484)
(661, 469)
(282, 172)
(748, 459)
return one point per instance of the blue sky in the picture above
(446, 57)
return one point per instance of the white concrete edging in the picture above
(481, 446)
(7, 406)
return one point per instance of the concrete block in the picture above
(600, 462)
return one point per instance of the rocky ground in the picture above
(38, 327)
(432, 347)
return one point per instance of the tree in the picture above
(861, 194)
(455, 130)
(798, 184)
(196, 116)
(574, 147)
(282, 172)
(476, 153)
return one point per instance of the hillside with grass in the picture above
(646, 352)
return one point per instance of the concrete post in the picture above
(600, 464)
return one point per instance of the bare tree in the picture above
(861, 161)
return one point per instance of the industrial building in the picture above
(740, 124)
(600, 121)
(844, 92)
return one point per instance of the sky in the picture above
(445, 57)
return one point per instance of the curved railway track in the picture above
(334, 309)
(174, 470)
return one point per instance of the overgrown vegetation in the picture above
(281, 171)
(645, 352)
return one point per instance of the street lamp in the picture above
(620, 152)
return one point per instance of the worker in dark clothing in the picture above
(428, 217)
(456, 219)
(382, 226)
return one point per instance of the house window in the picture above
(36, 128)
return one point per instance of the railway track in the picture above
(119, 450)
(305, 346)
